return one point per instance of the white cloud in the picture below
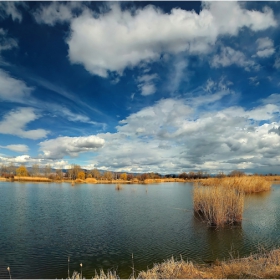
(170, 137)
(118, 39)
(272, 99)
(229, 56)
(72, 146)
(9, 8)
(146, 84)
(56, 12)
(254, 80)
(277, 63)
(177, 74)
(15, 122)
(265, 47)
(6, 43)
(12, 89)
(16, 148)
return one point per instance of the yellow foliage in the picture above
(81, 175)
(22, 171)
(123, 176)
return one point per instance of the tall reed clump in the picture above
(219, 207)
(246, 184)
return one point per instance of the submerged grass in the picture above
(119, 187)
(217, 206)
(246, 184)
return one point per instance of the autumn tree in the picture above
(130, 177)
(95, 174)
(22, 171)
(81, 175)
(123, 176)
(108, 175)
(73, 171)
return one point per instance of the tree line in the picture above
(76, 172)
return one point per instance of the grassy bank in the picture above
(264, 265)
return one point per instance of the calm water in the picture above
(42, 224)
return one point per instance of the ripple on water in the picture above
(94, 224)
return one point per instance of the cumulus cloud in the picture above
(117, 39)
(71, 146)
(15, 122)
(229, 56)
(146, 84)
(16, 148)
(12, 89)
(265, 47)
(170, 137)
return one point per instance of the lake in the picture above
(44, 223)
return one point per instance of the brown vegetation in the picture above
(264, 265)
(217, 206)
(246, 184)
(32, 179)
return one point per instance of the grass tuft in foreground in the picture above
(218, 206)
(265, 265)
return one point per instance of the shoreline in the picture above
(23, 179)
(92, 181)
(262, 265)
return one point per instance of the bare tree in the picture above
(236, 173)
(35, 171)
(73, 171)
(47, 170)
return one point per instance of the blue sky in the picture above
(141, 86)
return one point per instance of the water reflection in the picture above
(43, 224)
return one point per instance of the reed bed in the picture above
(32, 179)
(246, 184)
(217, 206)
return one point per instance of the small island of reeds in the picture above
(220, 201)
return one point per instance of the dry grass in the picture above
(272, 178)
(32, 179)
(3, 179)
(264, 265)
(91, 180)
(246, 184)
(217, 206)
